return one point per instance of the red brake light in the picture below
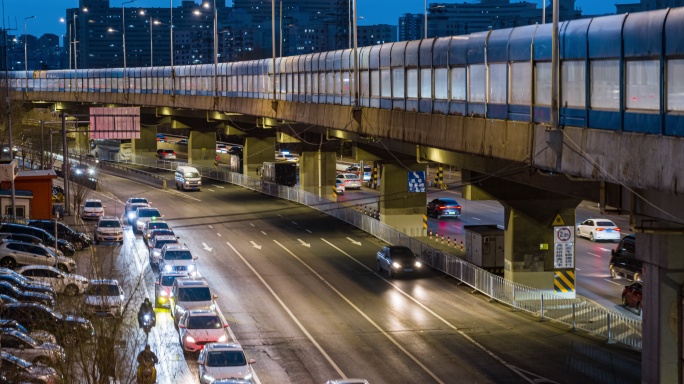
(600, 229)
(458, 207)
(616, 229)
(442, 207)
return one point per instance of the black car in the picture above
(10, 290)
(82, 171)
(26, 285)
(68, 329)
(78, 239)
(444, 207)
(398, 259)
(65, 246)
(623, 260)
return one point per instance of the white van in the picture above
(188, 178)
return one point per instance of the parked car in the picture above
(444, 207)
(632, 296)
(221, 148)
(339, 186)
(104, 298)
(224, 361)
(163, 286)
(26, 296)
(143, 215)
(166, 154)
(47, 239)
(18, 370)
(109, 229)
(42, 336)
(16, 274)
(16, 253)
(350, 180)
(132, 204)
(60, 281)
(356, 168)
(623, 260)
(69, 330)
(397, 259)
(25, 284)
(30, 349)
(177, 257)
(199, 327)
(92, 209)
(78, 239)
(598, 229)
(190, 293)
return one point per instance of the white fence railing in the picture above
(577, 313)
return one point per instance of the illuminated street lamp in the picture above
(123, 33)
(152, 23)
(62, 20)
(207, 5)
(26, 51)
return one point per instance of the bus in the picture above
(112, 150)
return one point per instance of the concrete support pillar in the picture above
(256, 151)
(361, 154)
(147, 141)
(202, 148)
(309, 175)
(400, 208)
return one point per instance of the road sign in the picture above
(416, 181)
(558, 220)
(564, 247)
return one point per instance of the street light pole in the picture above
(26, 52)
(424, 19)
(215, 50)
(123, 33)
(151, 52)
(171, 31)
(75, 41)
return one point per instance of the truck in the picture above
(283, 173)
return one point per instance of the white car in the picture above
(132, 204)
(156, 246)
(199, 327)
(177, 257)
(104, 298)
(350, 180)
(224, 361)
(92, 209)
(26, 347)
(62, 282)
(109, 229)
(598, 229)
(143, 215)
(221, 148)
(339, 187)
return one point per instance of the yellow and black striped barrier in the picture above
(424, 221)
(564, 281)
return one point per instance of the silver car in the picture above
(14, 253)
(62, 282)
(104, 298)
(30, 349)
(156, 245)
(350, 180)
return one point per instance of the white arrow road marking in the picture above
(253, 245)
(303, 243)
(217, 186)
(207, 248)
(354, 241)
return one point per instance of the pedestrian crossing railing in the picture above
(578, 314)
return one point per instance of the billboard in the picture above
(114, 123)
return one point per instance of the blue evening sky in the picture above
(48, 12)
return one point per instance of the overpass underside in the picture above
(535, 172)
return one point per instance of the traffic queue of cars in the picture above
(179, 286)
(33, 275)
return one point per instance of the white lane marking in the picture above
(612, 282)
(279, 215)
(475, 218)
(255, 245)
(513, 368)
(577, 269)
(252, 224)
(210, 190)
(491, 210)
(293, 222)
(605, 250)
(217, 186)
(308, 231)
(219, 235)
(211, 226)
(289, 312)
(363, 314)
(593, 254)
(264, 233)
(181, 194)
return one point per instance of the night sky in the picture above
(48, 12)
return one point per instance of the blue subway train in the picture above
(620, 72)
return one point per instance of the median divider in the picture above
(137, 174)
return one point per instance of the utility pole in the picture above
(9, 105)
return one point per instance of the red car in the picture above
(631, 296)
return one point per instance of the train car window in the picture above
(477, 89)
(458, 83)
(573, 77)
(604, 79)
(675, 85)
(542, 83)
(642, 84)
(498, 83)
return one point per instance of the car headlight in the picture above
(191, 267)
(131, 215)
(418, 264)
(212, 307)
(209, 378)
(163, 293)
(139, 223)
(156, 253)
(222, 339)
(167, 268)
(248, 376)
(189, 339)
(396, 265)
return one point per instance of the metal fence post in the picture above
(542, 307)
(610, 333)
(574, 324)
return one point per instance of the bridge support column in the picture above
(147, 143)
(400, 208)
(202, 148)
(256, 151)
(659, 244)
(309, 166)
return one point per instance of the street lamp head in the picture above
(206, 5)
(85, 9)
(196, 12)
(141, 12)
(61, 20)
(111, 30)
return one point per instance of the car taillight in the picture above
(442, 207)
(600, 229)
(458, 207)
